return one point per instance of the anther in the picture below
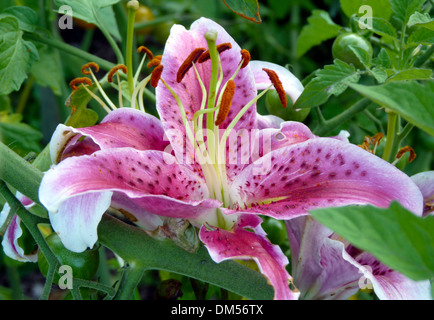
(186, 65)
(226, 102)
(277, 85)
(156, 75)
(84, 69)
(148, 52)
(220, 48)
(245, 56)
(155, 61)
(114, 70)
(405, 150)
(73, 84)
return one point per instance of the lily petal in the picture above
(242, 244)
(291, 84)
(389, 284)
(150, 179)
(268, 121)
(14, 231)
(316, 173)
(425, 182)
(123, 127)
(319, 271)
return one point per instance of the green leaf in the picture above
(48, 70)
(395, 236)
(248, 9)
(332, 80)
(383, 59)
(380, 8)
(412, 100)
(20, 137)
(81, 116)
(411, 74)
(422, 20)
(403, 9)
(379, 73)
(319, 28)
(16, 55)
(362, 55)
(27, 18)
(380, 26)
(98, 12)
(420, 36)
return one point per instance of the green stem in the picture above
(374, 119)
(25, 94)
(328, 125)
(131, 277)
(404, 132)
(104, 64)
(391, 135)
(129, 49)
(87, 39)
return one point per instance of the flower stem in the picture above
(132, 8)
(104, 64)
(391, 135)
(328, 125)
(130, 279)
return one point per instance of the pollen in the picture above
(404, 150)
(85, 69)
(277, 85)
(156, 75)
(155, 61)
(148, 52)
(245, 56)
(225, 105)
(114, 70)
(186, 65)
(220, 48)
(73, 84)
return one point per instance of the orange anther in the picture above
(142, 49)
(245, 56)
(226, 103)
(84, 69)
(155, 61)
(116, 69)
(186, 65)
(156, 75)
(404, 150)
(220, 48)
(73, 84)
(277, 85)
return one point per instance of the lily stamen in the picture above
(226, 103)
(245, 58)
(156, 75)
(84, 68)
(404, 150)
(220, 48)
(188, 62)
(148, 52)
(277, 85)
(155, 61)
(114, 70)
(81, 80)
(98, 85)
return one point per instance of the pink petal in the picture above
(124, 127)
(151, 179)
(242, 244)
(268, 121)
(388, 284)
(10, 243)
(425, 182)
(291, 84)
(320, 172)
(319, 271)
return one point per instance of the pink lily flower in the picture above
(10, 244)
(326, 267)
(425, 182)
(212, 160)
